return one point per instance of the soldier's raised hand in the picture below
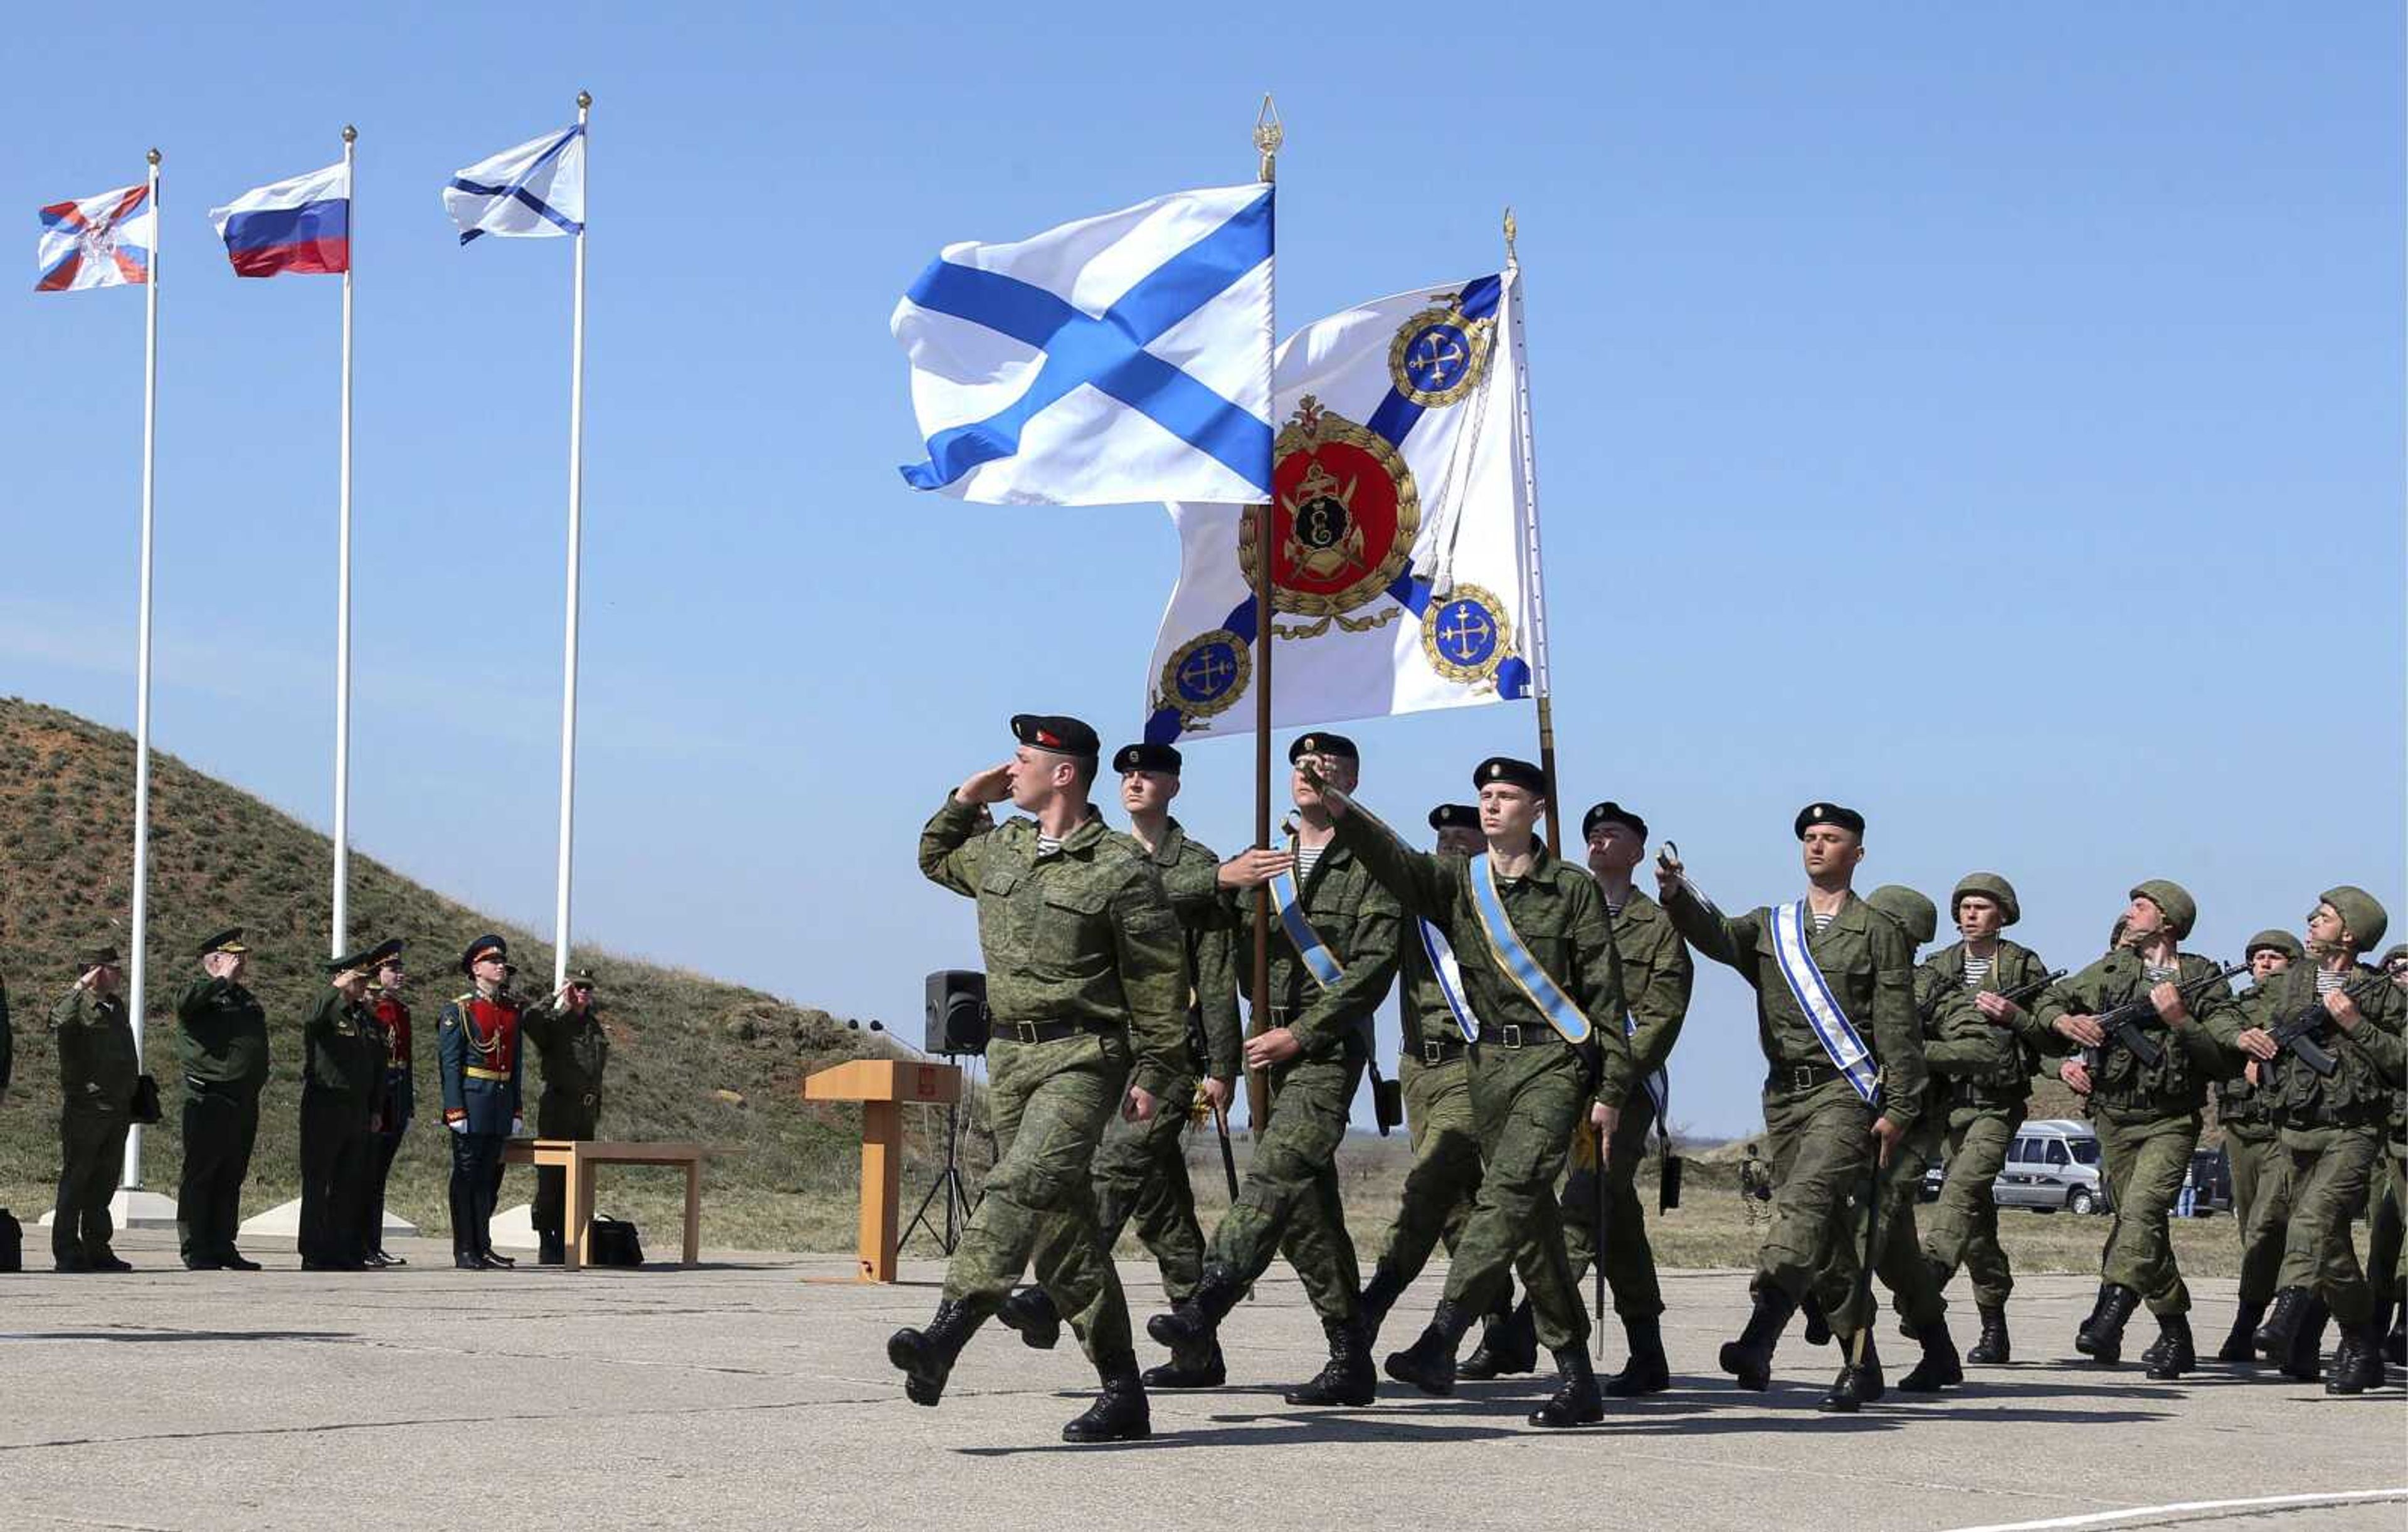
(993, 785)
(1252, 867)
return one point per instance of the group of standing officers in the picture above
(358, 1098)
(1542, 1003)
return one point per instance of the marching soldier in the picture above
(478, 1048)
(396, 1102)
(1333, 953)
(221, 1036)
(2147, 1113)
(2332, 1126)
(1835, 1012)
(2391, 1276)
(97, 1070)
(1087, 985)
(343, 1063)
(1536, 952)
(1982, 1097)
(574, 1049)
(1141, 1171)
(2258, 1185)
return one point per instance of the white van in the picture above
(2053, 1163)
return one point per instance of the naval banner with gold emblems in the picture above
(1397, 527)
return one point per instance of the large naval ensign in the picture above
(1345, 516)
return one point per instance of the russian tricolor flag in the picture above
(302, 224)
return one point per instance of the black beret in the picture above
(98, 958)
(225, 942)
(1454, 816)
(1829, 813)
(1322, 744)
(1610, 812)
(1147, 757)
(1505, 769)
(1051, 731)
(487, 945)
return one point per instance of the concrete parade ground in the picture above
(754, 1392)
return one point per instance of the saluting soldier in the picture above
(1536, 950)
(2244, 1110)
(396, 1101)
(478, 1053)
(1984, 1094)
(97, 1070)
(1333, 955)
(342, 1065)
(1835, 1012)
(2147, 1113)
(221, 1036)
(574, 1047)
(2332, 1126)
(1087, 985)
(1140, 1170)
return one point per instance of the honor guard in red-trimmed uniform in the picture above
(476, 1050)
(396, 1105)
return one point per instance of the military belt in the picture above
(1801, 1076)
(1438, 1051)
(1035, 1032)
(480, 1072)
(1511, 1036)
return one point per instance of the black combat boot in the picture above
(1198, 1317)
(1749, 1359)
(1940, 1368)
(1992, 1348)
(1576, 1400)
(1646, 1372)
(1818, 1329)
(2240, 1344)
(2170, 1354)
(2082, 1333)
(2107, 1334)
(1031, 1313)
(552, 1249)
(2273, 1338)
(1429, 1364)
(1510, 1344)
(1377, 1297)
(1349, 1379)
(1120, 1413)
(2357, 1361)
(1859, 1383)
(926, 1356)
(2308, 1345)
(1202, 1368)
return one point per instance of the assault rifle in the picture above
(2123, 1022)
(2015, 996)
(2302, 1035)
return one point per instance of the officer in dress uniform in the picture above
(396, 1102)
(477, 1051)
(343, 1064)
(221, 1037)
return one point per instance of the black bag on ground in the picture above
(614, 1243)
(12, 1242)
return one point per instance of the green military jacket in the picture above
(1359, 922)
(1084, 935)
(1657, 974)
(574, 1049)
(1556, 910)
(1993, 1065)
(1189, 876)
(1868, 961)
(342, 1048)
(1423, 1013)
(2122, 1085)
(98, 1064)
(2242, 1108)
(222, 1034)
(2368, 1058)
(1961, 1046)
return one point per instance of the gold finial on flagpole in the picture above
(1510, 229)
(1268, 135)
(584, 100)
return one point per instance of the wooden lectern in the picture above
(883, 1086)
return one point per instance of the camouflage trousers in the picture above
(1140, 1176)
(1822, 1150)
(2330, 1170)
(1290, 1205)
(1525, 1101)
(1445, 1175)
(1898, 1253)
(1630, 1260)
(1961, 1229)
(1050, 1102)
(2385, 1261)
(2261, 1208)
(2146, 1160)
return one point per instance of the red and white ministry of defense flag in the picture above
(102, 241)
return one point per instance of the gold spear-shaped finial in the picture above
(1268, 135)
(1510, 229)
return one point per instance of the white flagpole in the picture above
(132, 1178)
(343, 589)
(1533, 582)
(576, 534)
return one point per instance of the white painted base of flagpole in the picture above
(283, 1222)
(131, 1209)
(513, 1228)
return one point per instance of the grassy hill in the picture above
(691, 1058)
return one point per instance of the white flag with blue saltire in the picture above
(534, 190)
(1398, 527)
(1121, 358)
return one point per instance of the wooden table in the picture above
(577, 1159)
(883, 1086)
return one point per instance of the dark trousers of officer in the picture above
(376, 1170)
(333, 1173)
(558, 1118)
(221, 1125)
(92, 1152)
(476, 1180)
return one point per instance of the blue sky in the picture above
(1990, 419)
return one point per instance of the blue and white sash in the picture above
(1822, 1009)
(1318, 959)
(1506, 946)
(1449, 974)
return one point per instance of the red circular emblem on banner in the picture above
(1344, 515)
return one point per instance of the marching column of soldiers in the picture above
(1540, 1005)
